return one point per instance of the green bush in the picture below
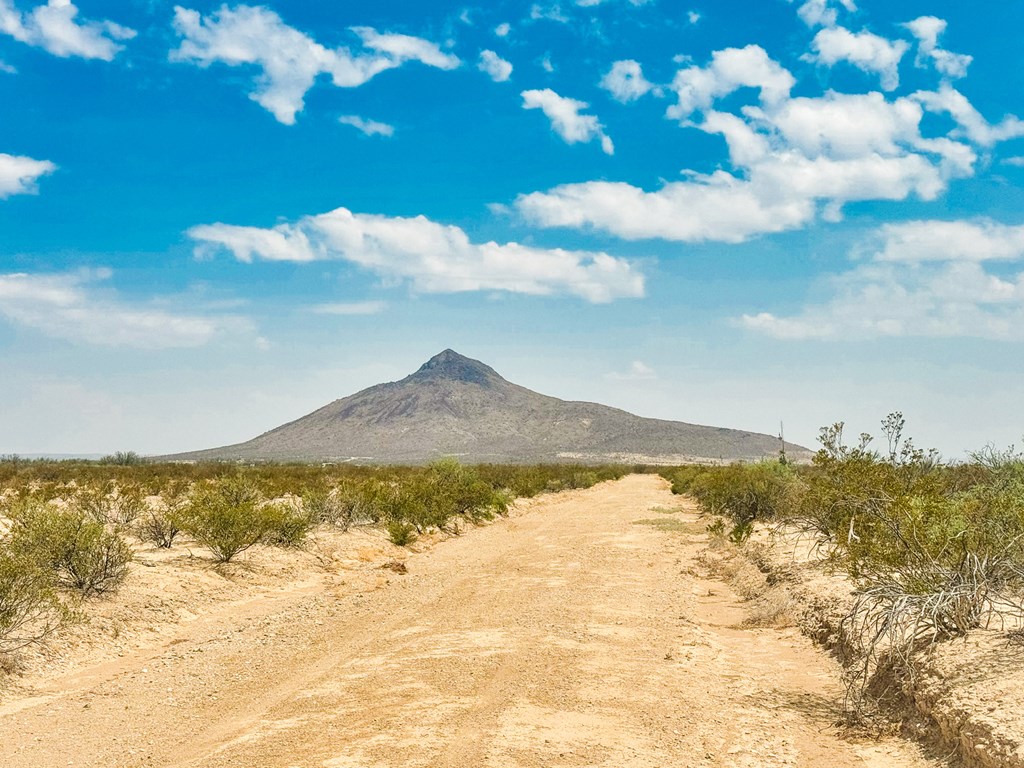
(401, 533)
(29, 607)
(82, 552)
(228, 516)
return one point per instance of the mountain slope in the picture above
(455, 406)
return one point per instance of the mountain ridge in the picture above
(457, 406)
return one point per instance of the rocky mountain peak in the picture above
(452, 366)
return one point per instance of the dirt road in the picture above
(567, 635)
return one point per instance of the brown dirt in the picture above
(566, 635)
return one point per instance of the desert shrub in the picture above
(341, 506)
(110, 503)
(81, 551)
(230, 515)
(162, 525)
(744, 493)
(401, 533)
(29, 607)
(226, 516)
(287, 523)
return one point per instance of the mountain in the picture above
(456, 406)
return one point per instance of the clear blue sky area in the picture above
(215, 218)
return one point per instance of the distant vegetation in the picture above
(69, 529)
(934, 549)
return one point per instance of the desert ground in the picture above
(569, 634)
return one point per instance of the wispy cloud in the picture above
(290, 61)
(432, 257)
(367, 127)
(638, 371)
(921, 278)
(74, 306)
(55, 27)
(567, 119)
(354, 308)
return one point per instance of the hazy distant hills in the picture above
(455, 406)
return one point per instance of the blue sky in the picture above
(215, 218)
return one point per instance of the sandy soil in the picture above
(569, 634)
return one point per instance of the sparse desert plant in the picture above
(330, 506)
(81, 551)
(401, 533)
(29, 607)
(162, 525)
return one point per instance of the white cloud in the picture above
(349, 309)
(502, 30)
(70, 306)
(54, 27)
(18, 175)
(822, 13)
(922, 278)
(290, 61)
(971, 123)
(566, 119)
(730, 69)
(494, 66)
(693, 17)
(7, 69)
(927, 30)
(546, 65)
(638, 371)
(551, 12)
(804, 158)
(433, 257)
(864, 50)
(922, 241)
(782, 193)
(625, 81)
(368, 127)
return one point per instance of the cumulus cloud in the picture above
(18, 175)
(433, 257)
(803, 158)
(625, 81)
(494, 66)
(72, 307)
(921, 278)
(730, 69)
(55, 28)
(566, 118)
(290, 61)
(864, 50)
(367, 127)
(503, 29)
(927, 30)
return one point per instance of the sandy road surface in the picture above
(568, 635)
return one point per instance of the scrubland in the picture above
(910, 568)
(69, 530)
